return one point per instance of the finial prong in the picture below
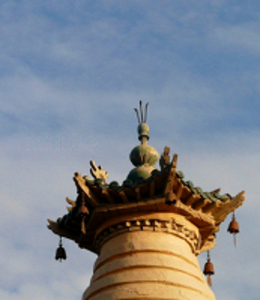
(141, 111)
(142, 116)
(138, 117)
(146, 111)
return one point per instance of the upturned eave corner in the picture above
(228, 207)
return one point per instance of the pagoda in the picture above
(148, 231)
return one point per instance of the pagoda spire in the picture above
(143, 128)
(148, 231)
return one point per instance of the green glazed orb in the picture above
(140, 173)
(144, 155)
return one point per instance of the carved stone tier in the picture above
(148, 257)
(158, 222)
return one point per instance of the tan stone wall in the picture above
(149, 262)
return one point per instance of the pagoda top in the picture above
(143, 156)
(145, 190)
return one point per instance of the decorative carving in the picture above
(171, 175)
(171, 226)
(165, 157)
(72, 203)
(98, 172)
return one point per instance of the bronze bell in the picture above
(60, 252)
(233, 227)
(209, 270)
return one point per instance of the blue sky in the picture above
(71, 73)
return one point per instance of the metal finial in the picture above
(146, 111)
(141, 111)
(138, 117)
(142, 117)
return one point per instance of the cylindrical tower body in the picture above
(148, 257)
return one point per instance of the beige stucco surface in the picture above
(149, 264)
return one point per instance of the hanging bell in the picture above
(233, 227)
(60, 252)
(209, 270)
